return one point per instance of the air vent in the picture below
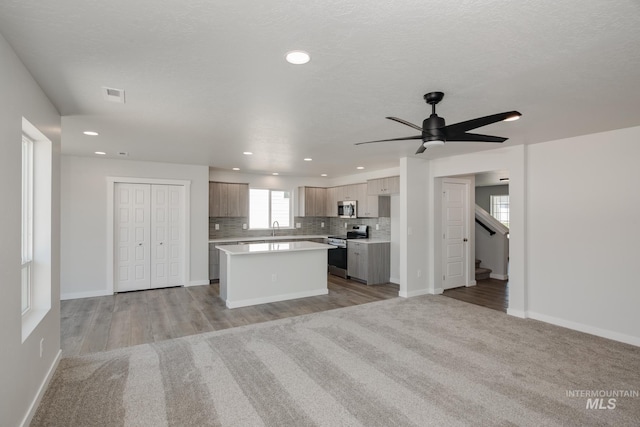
(113, 95)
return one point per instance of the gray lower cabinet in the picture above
(369, 262)
(214, 259)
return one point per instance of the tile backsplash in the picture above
(232, 227)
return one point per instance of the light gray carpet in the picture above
(421, 361)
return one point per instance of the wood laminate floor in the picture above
(96, 324)
(490, 293)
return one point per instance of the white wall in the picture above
(583, 232)
(84, 219)
(513, 160)
(414, 231)
(22, 371)
(574, 229)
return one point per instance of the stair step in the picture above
(483, 273)
(478, 263)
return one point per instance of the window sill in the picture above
(31, 320)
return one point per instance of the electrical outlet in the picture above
(41, 346)
(322, 225)
(298, 225)
(377, 226)
(274, 277)
(419, 273)
(345, 225)
(217, 226)
(244, 226)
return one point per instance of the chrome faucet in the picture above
(273, 226)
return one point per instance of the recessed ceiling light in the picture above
(236, 169)
(298, 57)
(324, 174)
(102, 153)
(90, 133)
(275, 173)
(360, 167)
(308, 159)
(247, 153)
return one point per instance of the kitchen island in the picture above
(258, 273)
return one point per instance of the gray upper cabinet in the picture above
(383, 186)
(228, 199)
(312, 201)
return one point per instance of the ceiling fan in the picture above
(434, 131)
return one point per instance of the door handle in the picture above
(139, 244)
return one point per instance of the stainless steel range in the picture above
(338, 255)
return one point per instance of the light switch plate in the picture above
(244, 226)
(217, 226)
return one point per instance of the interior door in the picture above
(455, 234)
(132, 236)
(166, 232)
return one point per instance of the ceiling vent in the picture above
(113, 95)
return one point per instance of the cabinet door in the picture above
(332, 202)
(349, 192)
(370, 209)
(233, 200)
(374, 187)
(321, 201)
(220, 198)
(393, 185)
(243, 200)
(214, 197)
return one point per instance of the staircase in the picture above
(482, 273)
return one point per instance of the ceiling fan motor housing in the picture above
(433, 129)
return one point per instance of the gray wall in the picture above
(23, 370)
(483, 195)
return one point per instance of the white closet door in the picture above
(133, 221)
(166, 232)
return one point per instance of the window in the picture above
(267, 206)
(27, 223)
(36, 227)
(500, 209)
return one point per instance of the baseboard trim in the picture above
(516, 313)
(276, 298)
(198, 283)
(581, 327)
(417, 293)
(499, 276)
(43, 388)
(471, 283)
(89, 294)
(395, 280)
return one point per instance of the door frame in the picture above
(439, 248)
(111, 183)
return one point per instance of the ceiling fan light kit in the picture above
(434, 131)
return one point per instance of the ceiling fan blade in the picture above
(406, 138)
(421, 149)
(477, 137)
(456, 129)
(404, 122)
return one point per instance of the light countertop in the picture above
(266, 238)
(274, 247)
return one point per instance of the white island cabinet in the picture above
(258, 273)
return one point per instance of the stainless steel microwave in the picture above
(347, 209)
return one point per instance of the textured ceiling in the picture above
(206, 80)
